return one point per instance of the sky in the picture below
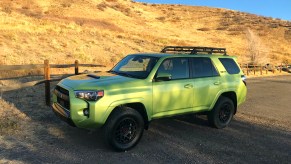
(269, 8)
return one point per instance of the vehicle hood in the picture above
(94, 81)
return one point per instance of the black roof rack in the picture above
(193, 50)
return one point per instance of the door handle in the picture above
(188, 86)
(217, 83)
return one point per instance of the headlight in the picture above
(89, 95)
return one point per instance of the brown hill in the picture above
(102, 31)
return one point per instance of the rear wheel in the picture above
(222, 113)
(124, 128)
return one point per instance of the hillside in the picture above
(102, 31)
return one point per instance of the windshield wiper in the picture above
(125, 74)
(121, 73)
(114, 72)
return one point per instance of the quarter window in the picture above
(230, 65)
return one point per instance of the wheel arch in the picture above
(231, 95)
(139, 107)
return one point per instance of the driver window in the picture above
(177, 67)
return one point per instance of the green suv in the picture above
(144, 87)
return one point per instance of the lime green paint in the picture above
(160, 98)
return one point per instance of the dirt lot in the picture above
(260, 133)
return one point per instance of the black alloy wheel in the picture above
(225, 113)
(126, 131)
(222, 113)
(124, 128)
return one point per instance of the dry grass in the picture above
(12, 120)
(97, 31)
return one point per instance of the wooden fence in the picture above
(47, 75)
(249, 69)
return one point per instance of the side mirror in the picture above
(163, 76)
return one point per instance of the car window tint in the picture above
(230, 65)
(203, 67)
(177, 67)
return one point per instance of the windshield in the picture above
(135, 66)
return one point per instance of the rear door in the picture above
(207, 82)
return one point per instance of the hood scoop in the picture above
(93, 76)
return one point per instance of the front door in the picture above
(175, 95)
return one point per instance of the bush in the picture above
(66, 4)
(161, 18)
(222, 28)
(273, 25)
(7, 9)
(101, 6)
(237, 28)
(203, 29)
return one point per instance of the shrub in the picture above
(237, 28)
(7, 9)
(235, 33)
(221, 28)
(203, 29)
(225, 23)
(101, 6)
(66, 4)
(273, 25)
(161, 18)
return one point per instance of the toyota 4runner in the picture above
(144, 87)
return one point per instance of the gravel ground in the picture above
(259, 133)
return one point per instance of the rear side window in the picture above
(203, 67)
(230, 65)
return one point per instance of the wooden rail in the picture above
(259, 69)
(20, 67)
(30, 84)
(47, 75)
(37, 66)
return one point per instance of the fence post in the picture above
(254, 67)
(281, 67)
(247, 69)
(240, 65)
(261, 71)
(76, 67)
(267, 71)
(47, 82)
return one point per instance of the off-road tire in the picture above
(222, 113)
(123, 128)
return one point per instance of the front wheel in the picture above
(222, 113)
(124, 128)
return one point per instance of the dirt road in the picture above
(260, 133)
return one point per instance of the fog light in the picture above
(86, 112)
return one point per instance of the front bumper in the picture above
(62, 113)
(71, 109)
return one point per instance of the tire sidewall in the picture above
(114, 122)
(218, 107)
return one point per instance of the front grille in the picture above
(63, 97)
(62, 90)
